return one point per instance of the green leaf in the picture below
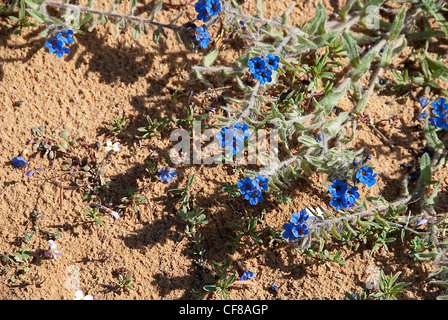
(346, 9)
(56, 21)
(326, 38)
(332, 99)
(156, 10)
(34, 4)
(317, 24)
(285, 14)
(137, 31)
(426, 256)
(309, 141)
(351, 48)
(133, 6)
(190, 180)
(424, 35)
(156, 36)
(334, 125)
(398, 23)
(307, 43)
(86, 19)
(38, 16)
(364, 66)
(260, 9)
(210, 58)
(209, 288)
(425, 171)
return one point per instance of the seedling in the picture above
(93, 213)
(132, 200)
(153, 127)
(119, 125)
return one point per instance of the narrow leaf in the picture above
(210, 58)
(351, 48)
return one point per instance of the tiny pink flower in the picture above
(53, 252)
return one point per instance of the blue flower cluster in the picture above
(202, 36)
(343, 196)
(439, 109)
(233, 139)
(296, 226)
(252, 189)
(57, 45)
(167, 175)
(207, 8)
(261, 69)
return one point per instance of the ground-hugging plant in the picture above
(290, 87)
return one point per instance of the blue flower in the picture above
(57, 47)
(207, 8)
(224, 135)
(203, 13)
(65, 36)
(366, 176)
(247, 275)
(254, 196)
(273, 61)
(441, 121)
(337, 188)
(252, 189)
(241, 131)
(296, 226)
(167, 175)
(205, 3)
(290, 232)
(339, 202)
(423, 101)
(439, 107)
(233, 139)
(261, 183)
(203, 36)
(301, 229)
(293, 231)
(19, 162)
(235, 145)
(422, 116)
(256, 65)
(263, 76)
(299, 218)
(215, 7)
(246, 185)
(351, 195)
(342, 195)
(261, 69)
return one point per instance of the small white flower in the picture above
(80, 296)
(52, 250)
(115, 147)
(315, 214)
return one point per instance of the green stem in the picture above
(111, 14)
